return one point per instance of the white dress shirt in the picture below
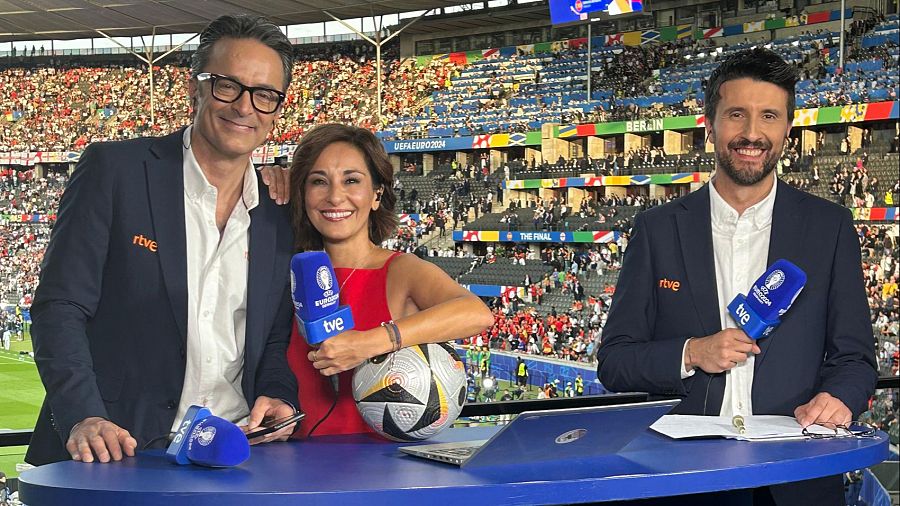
(217, 269)
(740, 250)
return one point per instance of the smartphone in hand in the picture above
(270, 426)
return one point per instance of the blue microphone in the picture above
(316, 300)
(759, 312)
(207, 440)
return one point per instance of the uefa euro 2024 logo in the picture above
(774, 280)
(206, 436)
(323, 278)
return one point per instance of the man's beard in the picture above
(746, 177)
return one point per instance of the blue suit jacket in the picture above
(824, 344)
(110, 314)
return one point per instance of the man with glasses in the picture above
(165, 283)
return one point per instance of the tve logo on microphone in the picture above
(770, 297)
(335, 325)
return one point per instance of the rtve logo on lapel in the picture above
(145, 242)
(670, 284)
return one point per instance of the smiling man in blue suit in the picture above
(165, 283)
(669, 332)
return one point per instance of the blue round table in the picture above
(363, 470)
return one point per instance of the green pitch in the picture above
(21, 395)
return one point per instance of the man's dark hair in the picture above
(244, 26)
(759, 64)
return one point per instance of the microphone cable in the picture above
(153, 441)
(334, 401)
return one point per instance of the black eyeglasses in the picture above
(852, 429)
(228, 90)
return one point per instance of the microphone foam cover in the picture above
(313, 287)
(216, 442)
(774, 292)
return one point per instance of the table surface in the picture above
(365, 470)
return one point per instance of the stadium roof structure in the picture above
(74, 19)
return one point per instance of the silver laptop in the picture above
(558, 434)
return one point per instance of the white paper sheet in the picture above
(756, 427)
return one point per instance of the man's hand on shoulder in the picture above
(95, 436)
(823, 409)
(720, 351)
(278, 179)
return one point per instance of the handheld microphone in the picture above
(207, 440)
(759, 312)
(316, 300)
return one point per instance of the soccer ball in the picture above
(412, 394)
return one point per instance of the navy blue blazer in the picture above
(824, 344)
(110, 312)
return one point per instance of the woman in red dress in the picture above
(343, 202)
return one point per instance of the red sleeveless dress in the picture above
(365, 292)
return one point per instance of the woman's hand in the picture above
(349, 349)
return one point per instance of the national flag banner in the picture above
(791, 21)
(649, 35)
(877, 213)
(700, 120)
(879, 110)
(549, 183)
(640, 180)
(685, 177)
(604, 236)
(508, 291)
(774, 24)
(819, 17)
(668, 33)
(616, 180)
(631, 38)
(72, 156)
(594, 181)
(806, 117)
(458, 58)
(828, 115)
(526, 49)
(709, 33)
(445, 56)
(754, 26)
(35, 157)
(471, 235)
(853, 113)
(481, 141)
(613, 39)
(862, 213)
(578, 43)
(730, 30)
(487, 53)
(499, 140)
(567, 131)
(517, 139)
(684, 31)
(514, 184)
(18, 158)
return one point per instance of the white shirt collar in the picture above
(196, 184)
(760, 213)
